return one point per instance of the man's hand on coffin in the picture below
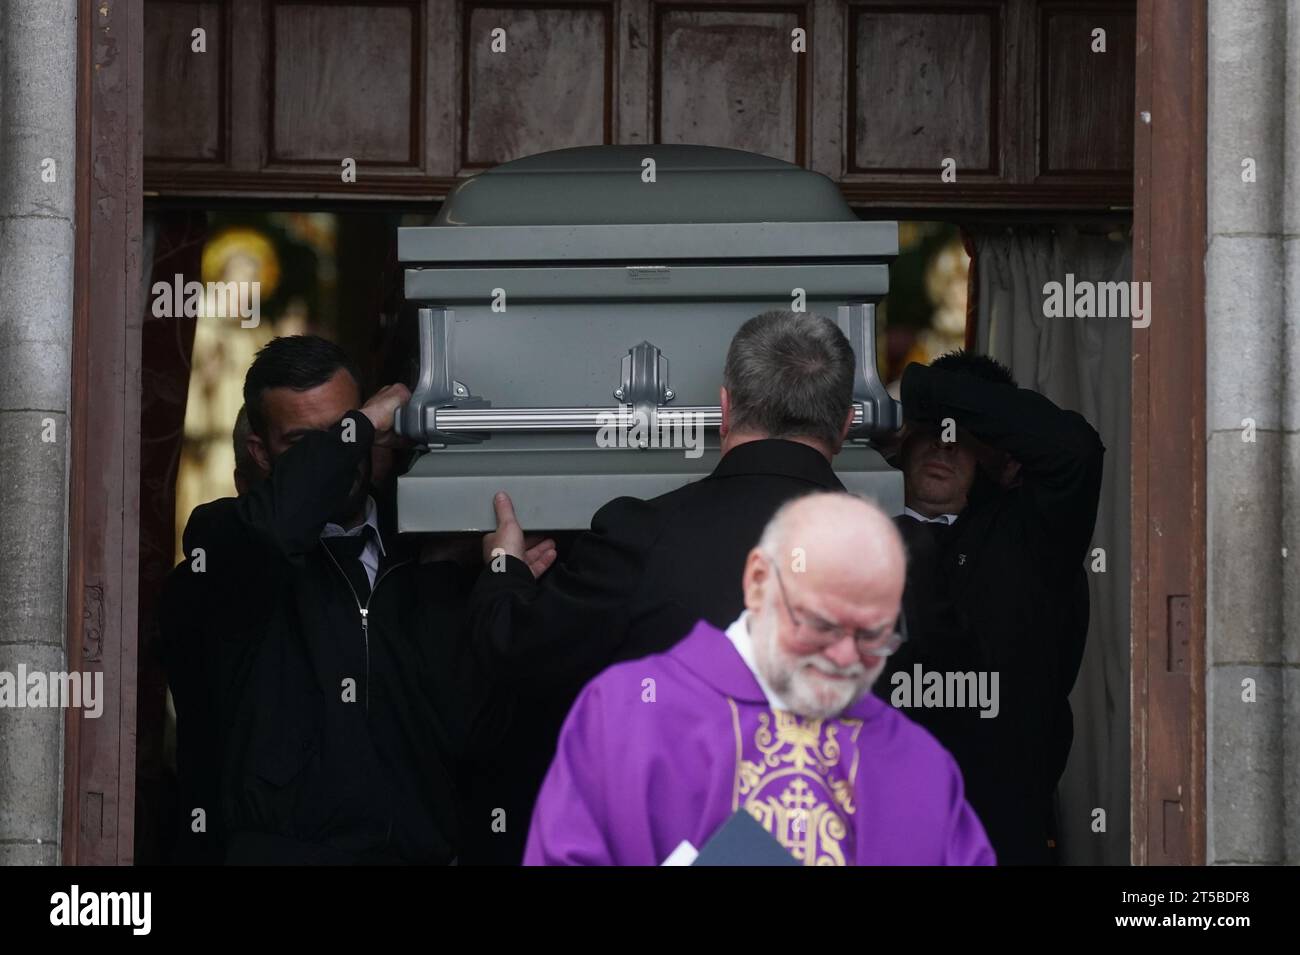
(889, 445)
(540, 555)
(509, 538)
(379, 409)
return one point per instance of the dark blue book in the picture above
(741, 840)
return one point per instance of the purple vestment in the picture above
(643, 765)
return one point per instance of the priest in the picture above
(771, 717)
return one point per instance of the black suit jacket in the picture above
(633, 585)
(1005, 590)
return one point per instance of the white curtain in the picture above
(1083, 364)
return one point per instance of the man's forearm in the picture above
(541, 633)
(1020, 422)
(310, 482)
(565, 628)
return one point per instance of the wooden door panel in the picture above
(1086, 95)
(345, 81)
(886, 89)
(549, 88)
(194, 97)
(925, 86)
(728, 76)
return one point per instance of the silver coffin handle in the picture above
(463, 420)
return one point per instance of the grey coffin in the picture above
(451, 491)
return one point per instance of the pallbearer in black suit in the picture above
(1001, 488)
(322, 690)
(638, 581)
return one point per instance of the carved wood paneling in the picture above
(1085, 97)
(412, 90)
(925, 86)
(726, 75)
(550, 87)
(345, 80)
(189, 92)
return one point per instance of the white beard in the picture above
(804, 692)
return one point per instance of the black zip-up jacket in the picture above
(1004, 590)
(288, 763)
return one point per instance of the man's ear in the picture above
(844, 430)
(258, 451)
(725, 401)
(754, 579)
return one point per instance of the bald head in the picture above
(838, 536)
(825, 561)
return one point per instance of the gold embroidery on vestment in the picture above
(795, 789)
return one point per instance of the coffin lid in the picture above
(603, 185)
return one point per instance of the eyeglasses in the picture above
(818, 634)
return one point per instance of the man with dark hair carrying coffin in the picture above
(319, 664)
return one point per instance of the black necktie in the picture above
(924, 535)
(347, 551)
(926, 542)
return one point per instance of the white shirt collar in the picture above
(374, 547)
(372, 519)
(941, 519)
(738, 634)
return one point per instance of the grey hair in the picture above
(789, 375)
